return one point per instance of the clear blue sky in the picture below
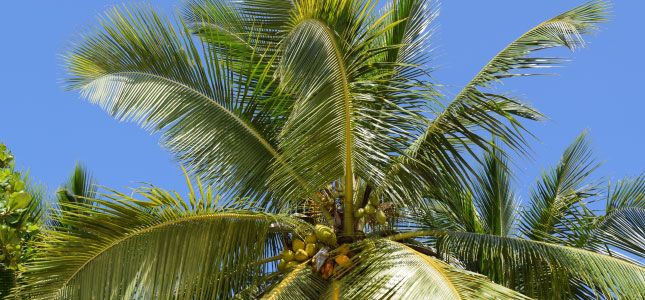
(600, 90)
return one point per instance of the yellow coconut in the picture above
(341, 259)
(325, 234)
(310, 249)
(287, 255)
(301, 255)
(282, 265)
(311, 238)
(297, 244)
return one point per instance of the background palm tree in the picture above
(321, 112)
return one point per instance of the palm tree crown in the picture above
(351, 176)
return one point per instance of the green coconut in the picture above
(325, 234)
(359, 213)
(380, 217)
(369, 209)
(282, 265)
(374, 200)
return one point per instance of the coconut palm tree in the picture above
(343, 172)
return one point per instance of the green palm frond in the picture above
(543, 269)
(78, 186)
(138, 67)
(474, 112)
(244, 24)
(389, 270)
(408, 42)
(460, 211)
(622, 225)
(36, 210)
(555, 199)
(494, 195)
(628, 193)
(243, 34)
(625, 230)
(317, 138)
(340, 126)
(161, 247)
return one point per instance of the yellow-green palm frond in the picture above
(384, 269)
(476, 112)
(138, 67)
(558, 194)
(542, 269)
(161, 247)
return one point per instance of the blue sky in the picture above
(49, 129)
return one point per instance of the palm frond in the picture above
(78, 186)
(246, 34)
(476, 113)
(161, 247)
(340, 127)
(76, 189)
(628, 193)
(36, 210)
(544, 269)
(318, 134)
(559, 192)
(389, 270)
(408, 42)
(457, 203)
(494, 195)
(625, 230)
(138, 67)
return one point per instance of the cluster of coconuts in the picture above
(306, 250)
(300, 251)
(371, 209)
